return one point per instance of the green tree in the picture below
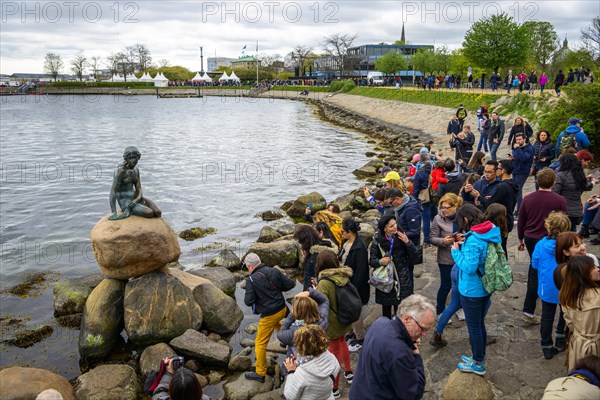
(175, 73)
(544, 42)
(52, 65)
(441, 58)
(590, 36)
(496, 41)
(391, 63)
(424, 60)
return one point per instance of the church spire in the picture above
(402, 37)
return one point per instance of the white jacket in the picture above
(312, 380)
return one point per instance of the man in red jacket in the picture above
(534, 210)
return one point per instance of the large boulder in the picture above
(133, 246)
(70, 295)
(159, 307)
(221, 314)
(284, 253)
(226, 258)
(366, 233)
(221, 277)
(467, 386)
(152, 356)
(316, 200)
(188, 279)
(108, 382)
(240, 388)
(102, 319)
(241, 361)
(17, 383)
(196, 345)
(267, 234)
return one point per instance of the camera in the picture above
(176, 362)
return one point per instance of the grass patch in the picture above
(130, 85)
(471, 101)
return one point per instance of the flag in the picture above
(244, 48)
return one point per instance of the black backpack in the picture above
(349, 304)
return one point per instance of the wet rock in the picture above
(215, 337)
(241, 361)
(70, 295)
(17, 383)
(365, 171)
(133, 246)
(317, 201)
(196, 345)
(102, 319)
(221, 277)
(270, 215)
(153, 355)
(467, 386)
(345, 202)
(240, 388)
(226, 258)
(159, 307)
(215, 377)
(196, 233)
(108, 382)
(285, 229)
(268, 234)
(252, 328)
(221, 314)
(284, 253)
(366, 233)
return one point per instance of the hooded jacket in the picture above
(544, 260)
(311, 380)
(421, 181)
(506, 194)
(387, 367)
(341, 277)
(408, 218)
(471, 258)
(582, 140)
(263, 290)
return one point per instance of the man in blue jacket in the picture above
(486, 186)
(577, 138)
(408, 213)
(522, 155)
(390, 366)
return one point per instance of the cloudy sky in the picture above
(174, 30)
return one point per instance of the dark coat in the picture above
(543, 150)
(453, 127)
(403, 256)
(310, 265)
(454, 184)
(358, 260)
(263, 290)
(387, 367)
(464, 147)
(496, 130)
(512, 136)
(408, 218)
(523, 159)
(506, 194)
(421, 181)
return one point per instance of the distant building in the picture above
(244, 62)
(214, 63)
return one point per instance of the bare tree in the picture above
(590, 36)
(53, 64)
(143, 56)
(95, 61)
(162, 63)
(130, 55)
(78, 63)
(117, 63)
(112, 62)
(336, 46)
(300, 55)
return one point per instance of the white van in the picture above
(376, 76)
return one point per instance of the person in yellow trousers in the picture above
(264, 287)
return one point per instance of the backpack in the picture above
(349, 304)
(515, 82)
(498, 275)
(462, 113)
(566, 141)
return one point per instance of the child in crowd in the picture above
(412, 169)
(438, 175)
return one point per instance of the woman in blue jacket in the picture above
(469, 254)
(544, 260)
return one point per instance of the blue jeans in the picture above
(493, 86)
(588, 216)
(475, 309)
(482, 141)
(454, 305)
(429, 212)
(520, 179)
(446, 283)
(493, 149)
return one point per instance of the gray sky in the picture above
(174, 30)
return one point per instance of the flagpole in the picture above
(257, 63)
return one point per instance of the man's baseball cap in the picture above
(391, 175)
(574, 121)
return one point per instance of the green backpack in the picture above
(498, 275)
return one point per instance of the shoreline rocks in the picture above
(18, 383)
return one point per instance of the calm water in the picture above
(212, 162)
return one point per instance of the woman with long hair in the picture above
(326, 234)
(311, 369)
(496, 214)
(331, 276)
(392, 245)
(543, 260)
(354, 254)
(476, 163)
(469, 253)
(580, 298)
(570, 184)
(543, 153)
(180, 384)
(568, 244)
(520, 126)
(311, 244)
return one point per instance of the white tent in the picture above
(160, 80)
(131, 78)
(206, 78)
(117, 78)
(233, 77)
(224, 77)
(146, 78)
(197, 77)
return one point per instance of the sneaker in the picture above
(531, 318)
(253, 376)
(460, 314)
(549, 352)
(336, 393)
(348, 375)
(560, 344)
(355, 346)
(584, 231)
(350, 337)
(472, 367)
(437, 341)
